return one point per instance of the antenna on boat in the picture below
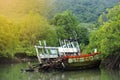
(68, 43)
(78, 46)
(65, 42)
(71, 44)
(42, 48)
(75, 35)
(40, 43)
(60, 42)
(45, 46)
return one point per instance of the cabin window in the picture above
(53, 51)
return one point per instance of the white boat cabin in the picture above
(44, 52)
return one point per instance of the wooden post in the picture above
(38, 55)
(46, 49)
(43, 52)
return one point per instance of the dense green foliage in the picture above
(85, 10)
(67, 21)
(67, 26)
(8, 37)
(23, 23)
(21, 26)
(107, 37)
(22, 36)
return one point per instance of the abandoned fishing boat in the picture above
(65, 57)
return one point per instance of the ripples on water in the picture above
(12, 72)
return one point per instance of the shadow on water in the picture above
(71, 75)
(110, 75)
(12, 72)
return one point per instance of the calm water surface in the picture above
(13, 72)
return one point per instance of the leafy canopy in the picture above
(107, 38)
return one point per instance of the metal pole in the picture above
(42, 48)
(46, 48)
(78, 47)
(60, 42)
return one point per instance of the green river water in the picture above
(13, 72)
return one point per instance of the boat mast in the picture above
(42, 48)
(46, 49)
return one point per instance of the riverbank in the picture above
(7, 60)
(112, 61)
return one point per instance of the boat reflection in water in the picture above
(95, 74)
(68, 75)
(12, 72)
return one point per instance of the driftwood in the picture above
(47, 65)
(51, 65)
